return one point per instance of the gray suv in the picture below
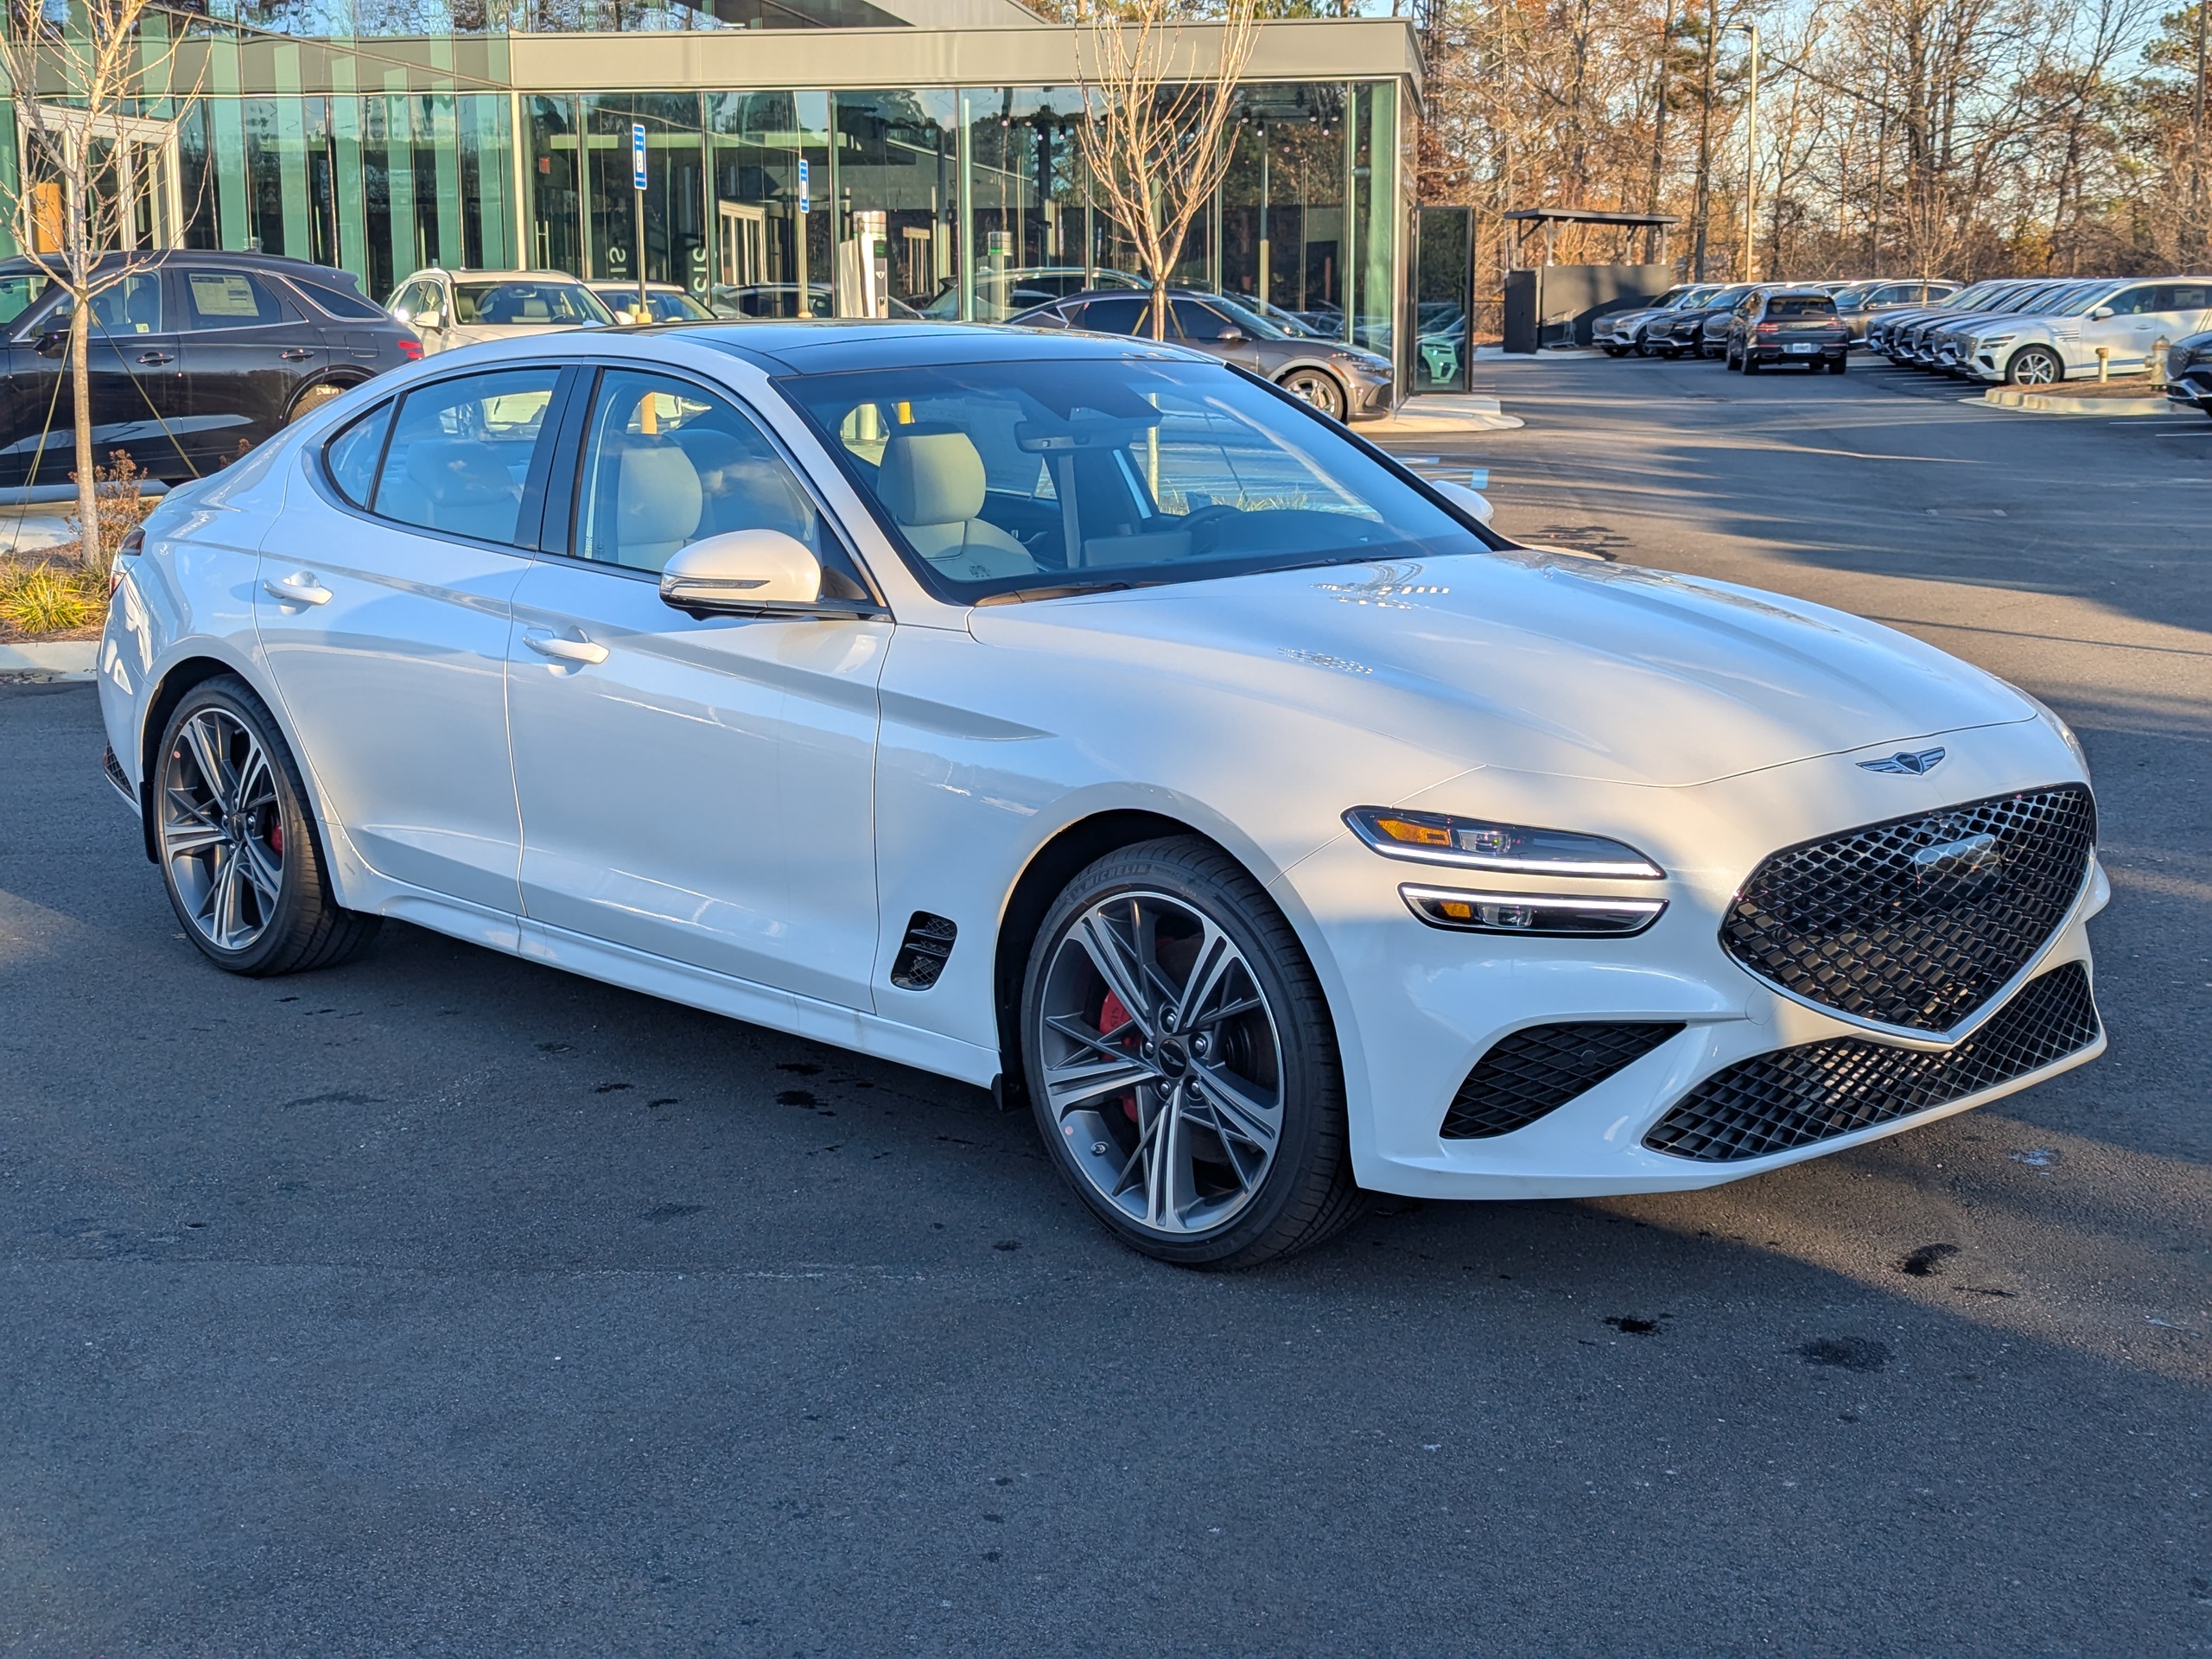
(1338, 380)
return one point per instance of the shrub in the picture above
(51, 597)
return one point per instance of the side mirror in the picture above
(433, 318)
(51, 343)
(1231, 336)
(2098, 314)
(742, 573)
(1472, 502)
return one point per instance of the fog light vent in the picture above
(1539, 1068)
(922, 953)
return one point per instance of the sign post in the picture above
(637, 179)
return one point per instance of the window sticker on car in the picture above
(218, 294)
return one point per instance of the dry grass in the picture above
(51, 598)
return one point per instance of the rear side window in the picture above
(1785, 306)
(1114, 316)
(350, 457)
(228, 298)
(461, 452)
(338, 301)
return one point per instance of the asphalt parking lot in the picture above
(443, 1303)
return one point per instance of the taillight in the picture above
(1770, 329)
(132, 545)
(411, 350)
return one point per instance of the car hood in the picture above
(1535, 662)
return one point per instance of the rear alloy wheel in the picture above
(236, 843)
(313, 398)
(1182, 1063)
(2035, 365)
(1317, 387)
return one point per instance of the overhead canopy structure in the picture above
(1656, 224)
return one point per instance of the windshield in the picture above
(2080, 298)
(1245, 318)
(543, 304)
(1110, 472)
(1845, 298)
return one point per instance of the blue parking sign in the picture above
(638, 154)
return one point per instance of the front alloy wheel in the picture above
(1181, 1062)
(2035, 365)
(1318, 388)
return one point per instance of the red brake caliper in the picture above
(1112, 1016)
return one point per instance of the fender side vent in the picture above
(113, 768)
(1538, 1070)
(922, 953)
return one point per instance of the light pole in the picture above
(1751, 160)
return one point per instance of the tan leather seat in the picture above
(657, 502)
(932, 482)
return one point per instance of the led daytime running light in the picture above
(1473, 843)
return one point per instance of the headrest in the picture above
(658, 497)
(931, 477)
(455, 471)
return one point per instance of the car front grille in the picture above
(1918, 922)
(1539, 1070)
(1796, 1096)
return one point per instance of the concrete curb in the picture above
(1438, 414)
(53, 659)
(2042, 403)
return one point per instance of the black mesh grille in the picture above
(1919, 921)
(1797, 1095)
(1540, 1070)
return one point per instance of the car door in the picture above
(247, 352)
(1194, 323)
(2126, 332)
(382, 604)
(131, 362)
(2179, 309)
(698, 788)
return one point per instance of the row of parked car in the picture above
(197, 356)
(2027, 331)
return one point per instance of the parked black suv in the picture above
(195, 356)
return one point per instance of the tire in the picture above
(1839, 365)
(313, 398)
(1250, 1108)
(1731, 363)
(2035, 365)
(237, 843)
(1317, 387)
(1613, 350)
(1750, 364)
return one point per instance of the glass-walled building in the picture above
(778, 135)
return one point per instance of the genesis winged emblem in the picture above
(1915, 761)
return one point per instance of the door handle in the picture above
(156, 357)
(300, 588)
(295, 354)
(547, 644)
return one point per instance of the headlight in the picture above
(2049, 715)
(1434, 838)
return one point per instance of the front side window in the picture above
(1117, 315)
(667, 463)
(1110, 472)
(20, 291)
(228, 298)
(133, 306)
(460, 451)
(1193, 320)
(546, 304)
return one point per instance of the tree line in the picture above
(1963, 138)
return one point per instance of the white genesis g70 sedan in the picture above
(1086, 719)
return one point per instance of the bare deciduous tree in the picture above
(78, 76)
(1158, 138)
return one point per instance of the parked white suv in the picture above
(461, 307)
(2129, 321)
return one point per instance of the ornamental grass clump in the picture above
(51, 596)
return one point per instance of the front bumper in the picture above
(2193, 389)
(1420, 1007)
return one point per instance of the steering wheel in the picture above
(1210, 518)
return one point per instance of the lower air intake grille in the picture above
(1795, 1097)
(1539, 1071)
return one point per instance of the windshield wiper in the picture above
(1054, 590)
